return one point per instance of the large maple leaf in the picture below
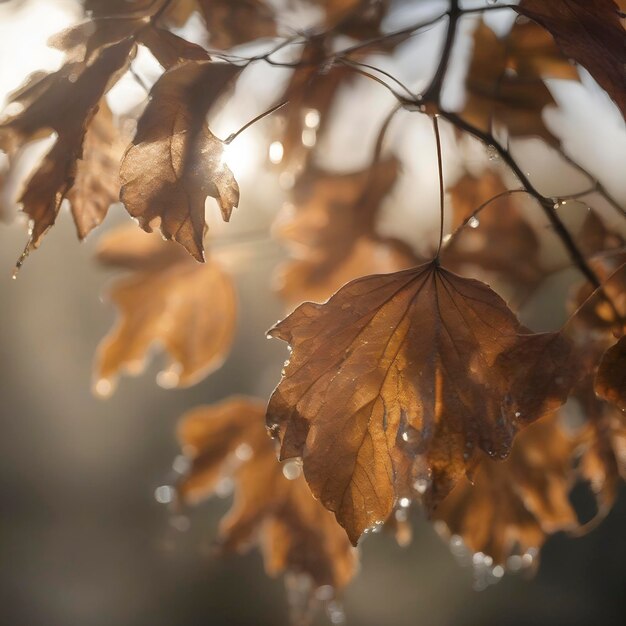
(403, 378)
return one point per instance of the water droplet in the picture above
(276, 152)
(498, 571)
(312, 118)
(517, 414)
(492, 153)
(181, 464)
(224, 487)
(514, 563)
(244, 452)
(181, 523)
(103, 388)
(404, 503)
(292, 470)
(473, 222)
(325, 593)
(169, 378)
(421, 485)
(164, 494)
(309, 137)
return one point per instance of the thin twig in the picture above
(433, 91)
(546, 203)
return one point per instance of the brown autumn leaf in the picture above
(96, 182)
(175, 162)
(273, 506)
(610, 382)
(407, 376)
(498, 240)
(169, 299)
(589, 31)
(503, 88)
(63, 102)
(330, 232)
(511, 507)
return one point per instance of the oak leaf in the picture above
(273, 505)
(175, 162)
(589, 31)
(510, 508)
(168, 299)
(410, 374)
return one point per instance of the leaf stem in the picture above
(254, 120)
(441, 183)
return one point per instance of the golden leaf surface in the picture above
(175, 162)
(273, 506)
(407, 377)
(169, 299)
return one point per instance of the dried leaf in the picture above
(175, 161)
(495, 95)
(511, 507)
(589, 31)
(64, 102)
(498, 240)
(610, 381)
(412, 373)
(96, 183)
(170, 299)
(273, 505)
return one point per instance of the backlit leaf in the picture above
(416, 373)
(169, 299)
(175, 162)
